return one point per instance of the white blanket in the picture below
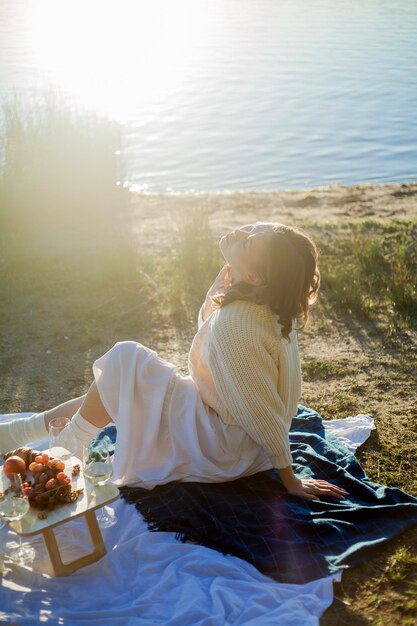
(148, 579)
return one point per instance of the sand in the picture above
(153, 213)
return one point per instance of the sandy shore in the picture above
(156, 215)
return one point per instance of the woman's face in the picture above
(243, 249)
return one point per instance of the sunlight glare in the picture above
(119, 57)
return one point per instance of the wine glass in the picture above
(14, 504)
(98, 470)
(62, 442)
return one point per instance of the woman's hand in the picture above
(222, 281)
(311, 489)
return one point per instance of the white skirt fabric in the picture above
(165, 431)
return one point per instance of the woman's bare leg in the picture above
(89, 405)
(66, 409)
(92, 408)
(87, 419)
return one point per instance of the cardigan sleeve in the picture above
(200, 319)
(246, 377)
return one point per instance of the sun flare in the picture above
(119, 62)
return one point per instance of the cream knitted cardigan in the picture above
(249, 374)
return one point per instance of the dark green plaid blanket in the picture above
(291, 539)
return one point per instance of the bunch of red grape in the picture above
(50, 485)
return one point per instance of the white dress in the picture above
(165, 431)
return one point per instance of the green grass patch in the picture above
(393, 464)
(183, 276)
(369, 269)
(315, 368)
(400, 565)
(341, 404)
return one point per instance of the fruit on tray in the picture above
(49, 485)
(14, 465)
(25, 453)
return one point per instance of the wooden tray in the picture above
(85, 505)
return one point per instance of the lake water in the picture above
(230, 94)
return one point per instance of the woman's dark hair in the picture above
(290, 274)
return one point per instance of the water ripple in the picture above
(272, 94)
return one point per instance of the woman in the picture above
(231, 415)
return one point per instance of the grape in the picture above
(50, 485)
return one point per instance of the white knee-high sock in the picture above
(21, 431)
(83, 431)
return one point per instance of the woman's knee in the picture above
(129, 351)
(126, 346)
(92, 408)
